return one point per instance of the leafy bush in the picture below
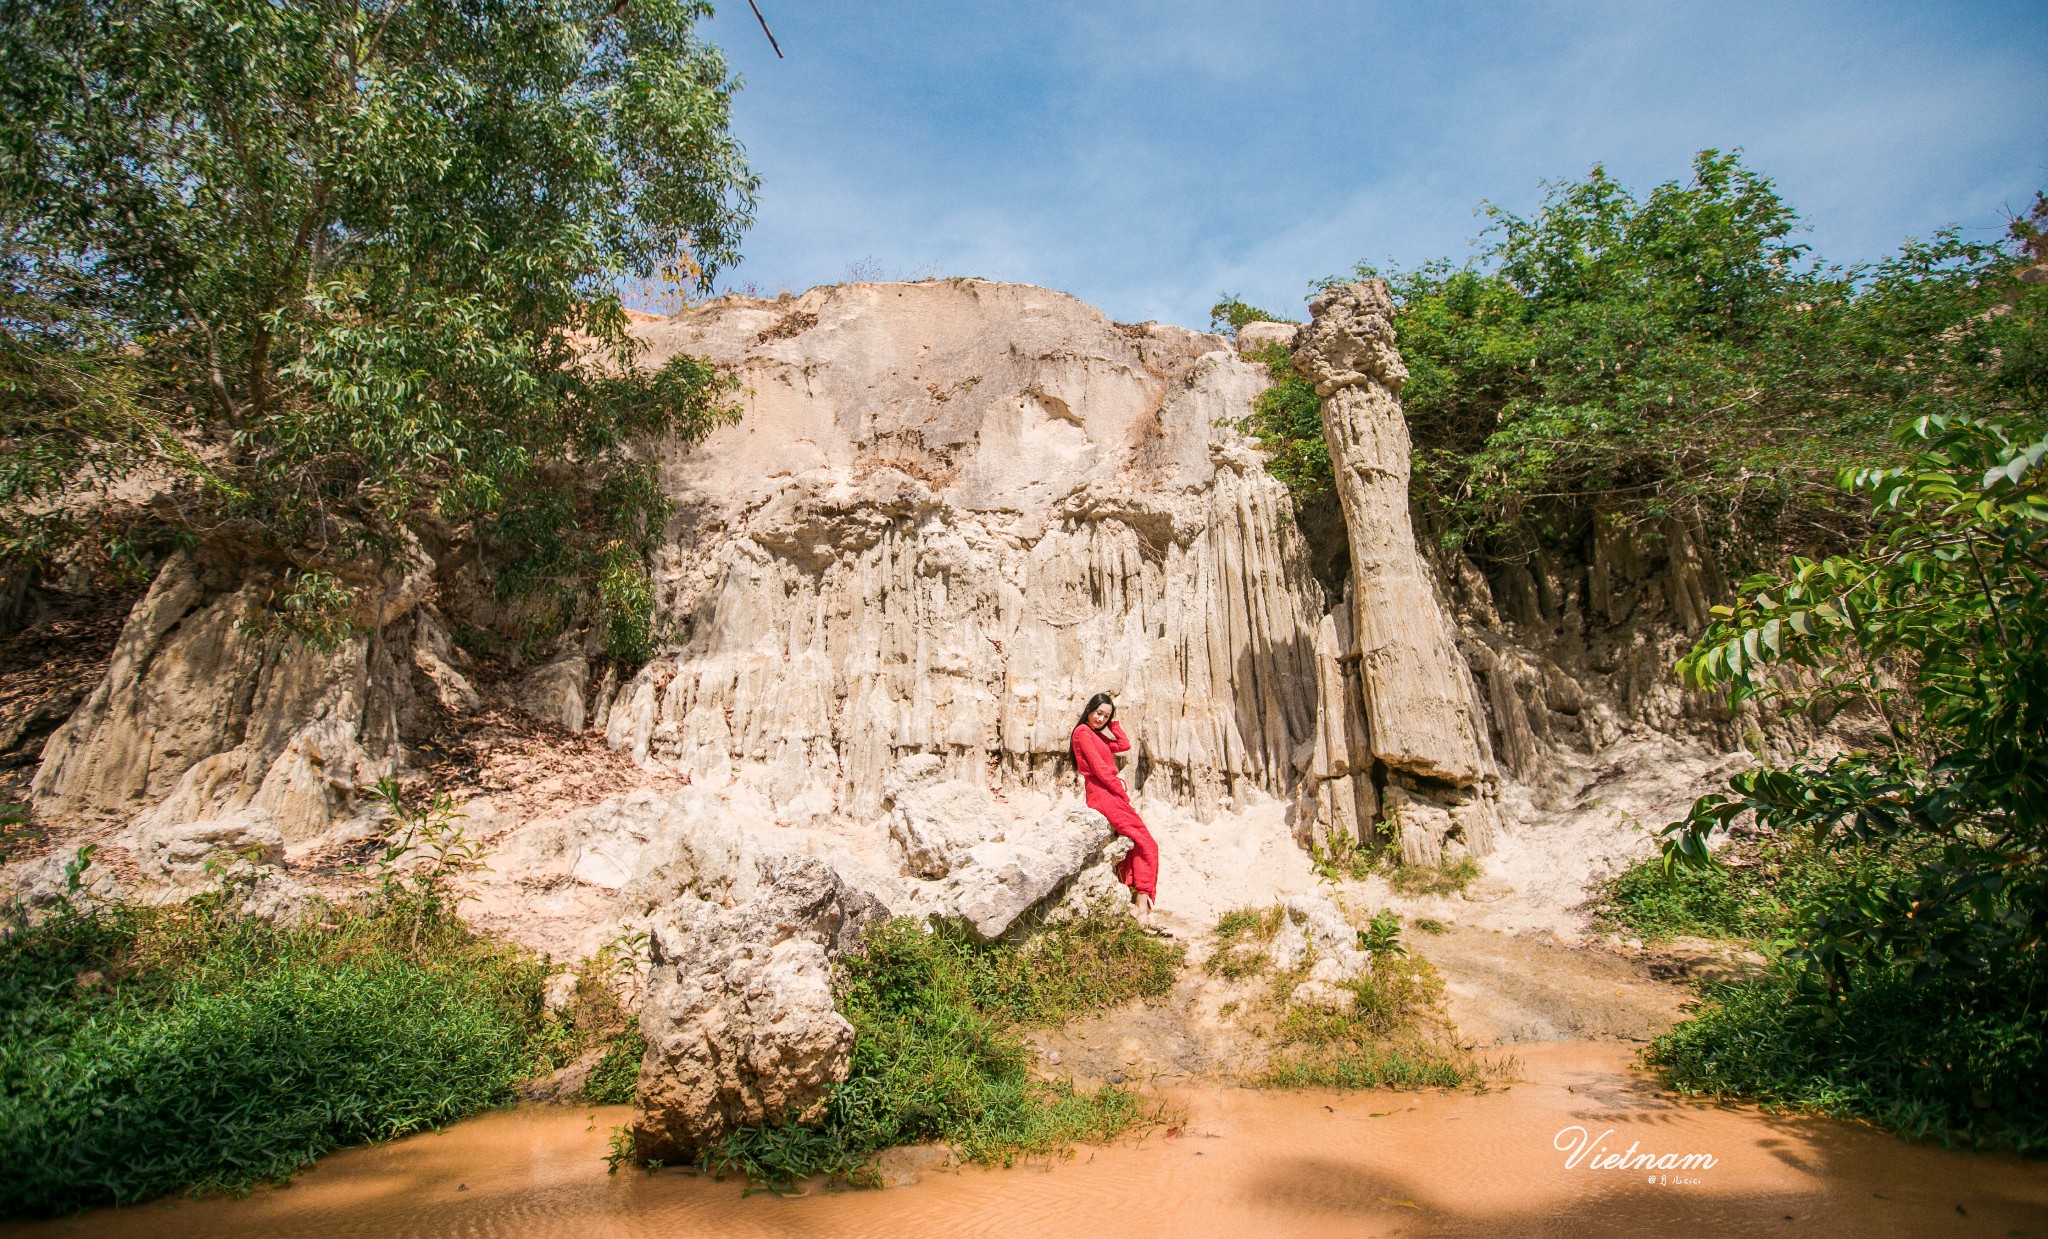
(1287, 421)
(145, 1050)
(1954, 1058)
(937, 1053)
(1912, 993)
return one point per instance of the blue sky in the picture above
(1145, 156)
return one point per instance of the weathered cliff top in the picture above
(999, 398)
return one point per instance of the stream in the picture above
(1238, 1164)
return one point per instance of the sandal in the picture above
(1157, 931)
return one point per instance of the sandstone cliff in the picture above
(952, 512)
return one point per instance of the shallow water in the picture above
(1243, 1164)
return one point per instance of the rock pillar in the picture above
(1424, 720)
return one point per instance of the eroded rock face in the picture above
(642, 847)
(182, 853)
(951, 513)
(203, 714)
(738, 1012)
(937, 822)
(41, 887)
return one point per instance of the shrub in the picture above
(1954, 1059)
(937, 1053)
(144, 1050)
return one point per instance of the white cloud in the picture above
(1145, 156)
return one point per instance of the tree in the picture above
(1678, 351)
(336, 269)
(1232, 312)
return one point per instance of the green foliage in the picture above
(1942, 623)
(1232, 312)
(597, 1015)
(1389, 1037)
(613, 1081)
(1758, 895)
(360, 258)
(1959, 1058)
(1912, 990)
(1677, 353)
(145, 1050)
(1383, 935)
(1241, 936)
(1287, 421)
(312, 606)
(937, 1055)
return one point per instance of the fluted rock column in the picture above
(1423, 718)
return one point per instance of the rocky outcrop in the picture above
(982, 869)
(1425, 723)
(952, 512)
(1338, 802)
(44, 886)
(193, 852)
(1001, 882)
(937, 822)
(1255, 337)
(738, 1012)
(1314, 933)
(206, 712)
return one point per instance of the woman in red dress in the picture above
(1097, 739)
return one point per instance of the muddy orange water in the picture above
(1243, 1165)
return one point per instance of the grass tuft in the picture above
(1391, 1036)
(1428, 880)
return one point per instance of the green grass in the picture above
(1752, 896)
(938, 1053)
(615, 1077)
(1390, 1037)
(1953, 1059)
(147, 1050)
(1430, 880)
(1241, 936)
(1387, 1038)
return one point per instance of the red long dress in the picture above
(1106, 795)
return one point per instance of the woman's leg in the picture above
(1140, 869)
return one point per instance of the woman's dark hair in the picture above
(1099, 699)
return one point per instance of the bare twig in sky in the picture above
(765, 30)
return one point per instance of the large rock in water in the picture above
(738, 1013)
(953, 511)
